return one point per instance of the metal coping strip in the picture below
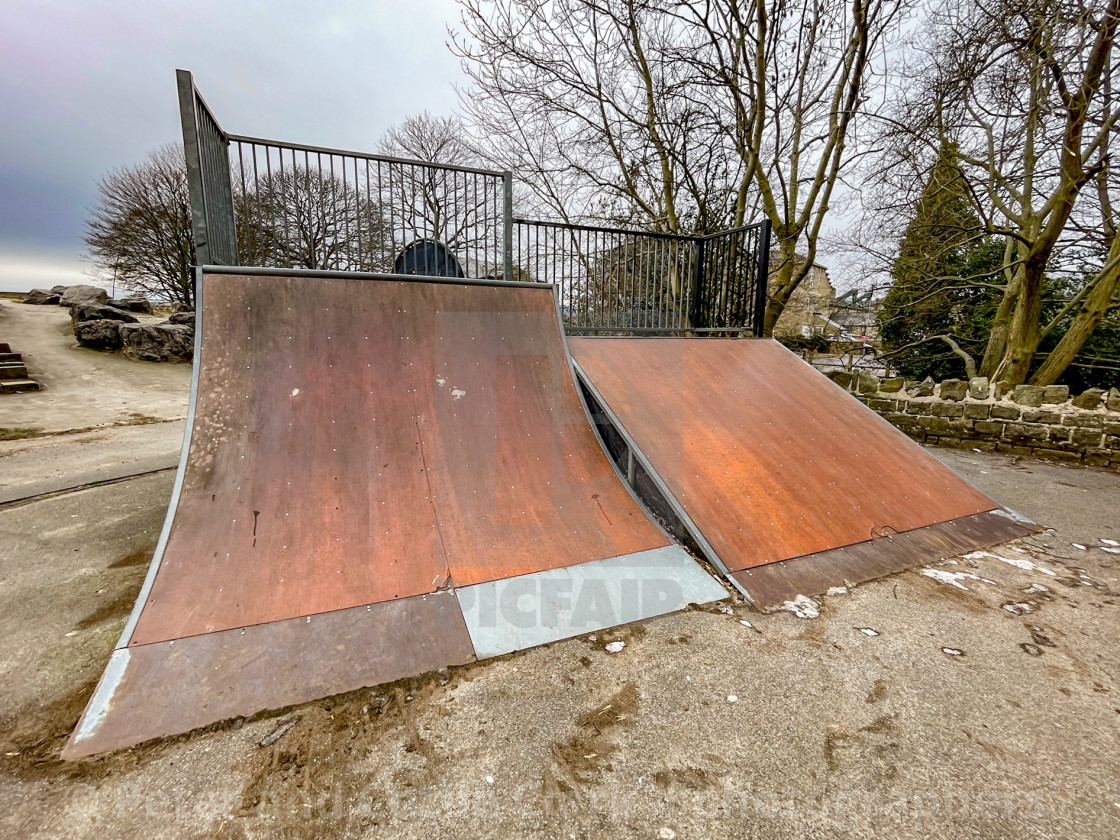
(658, 481)
(326, 150)
(259, 271)
(177, 489)
(573, 367)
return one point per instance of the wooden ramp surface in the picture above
(370, 462)
(766, 460)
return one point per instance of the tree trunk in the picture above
(1092, 311)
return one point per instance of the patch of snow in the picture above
(837, 590)
(1036, 587)
(732, 698)
(615, 647)
(295, 392)
(1112, 543)
(489, 780)
(1078, 546)
(952, 652)
(868, 631)
(440, 381)
(801, 607)
(1020, 608)
(954, 578)
(457, 393)
(746, 623)
(725, 609)
(666, 833)
(1019, 563)
(1111, 550)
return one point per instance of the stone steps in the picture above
(13, 372)
(17, 386)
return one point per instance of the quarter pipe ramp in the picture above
(782, 479)
(381, 476)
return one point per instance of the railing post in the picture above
(696, 312)
(507, 226)
(188, 116)
(762, 279)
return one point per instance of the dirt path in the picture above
(83, 388)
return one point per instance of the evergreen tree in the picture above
(943, 264)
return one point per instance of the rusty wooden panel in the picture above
(519, 479)
(775, 583)
(768, 458)
(354, 437)
(160, 689)
(305, 488)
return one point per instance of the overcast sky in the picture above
(86, 87)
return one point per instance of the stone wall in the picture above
(1035, 420)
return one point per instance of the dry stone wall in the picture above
(1035, 420)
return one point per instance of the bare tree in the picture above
(678, 116)
(444, 201)
(304, 217)
(140, 229)
(1023, 90)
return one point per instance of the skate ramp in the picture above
(782, 479)
(382, 476)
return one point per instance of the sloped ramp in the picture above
(782, 479)
(382, 476)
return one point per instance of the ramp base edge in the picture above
(773, 584)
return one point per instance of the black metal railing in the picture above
(286, 205)
(289, 205)
(208, 177)
(617, 281)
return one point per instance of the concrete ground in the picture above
(980, 702)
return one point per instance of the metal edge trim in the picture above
(709, 552)
(177, 489)
(98, 706)
(576, 378)
(260, 271)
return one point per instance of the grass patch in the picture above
(18, 434)
(137, 419)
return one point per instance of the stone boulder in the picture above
(866, 383)
(1112, 402)
(1089, 399)
(953, 389)
(58, 290)
(99, 334)
(133, 304)
(83, 294)
(182, 318)
(892, 385)
(41, 297)
(920, 389)
(157, 342)
(99, 312)
(1030, 395)
(843, 378)
(1055, 393)
(979, 388)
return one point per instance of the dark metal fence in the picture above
(208, 177)
(286, 205)
(289, 205)
(611, 280)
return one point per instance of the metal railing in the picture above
(208, 177)
(289, 205)
(617, 281)
(286, 205)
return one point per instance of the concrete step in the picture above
(13, 370)
(11, 357)
(15, 386)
